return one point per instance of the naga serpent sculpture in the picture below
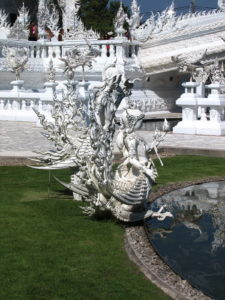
(89, 150)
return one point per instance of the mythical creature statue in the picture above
(16, 59)
(89, 150)
(124, 192)
(79, 57)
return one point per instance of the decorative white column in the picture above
(215, 124)
(188, 102)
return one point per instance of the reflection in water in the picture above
(193, 242)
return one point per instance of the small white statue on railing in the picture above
(77, 57)
(16, 59)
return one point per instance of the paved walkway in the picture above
(20, 139)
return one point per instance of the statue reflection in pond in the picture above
(190, 205)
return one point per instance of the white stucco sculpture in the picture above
(89, 149)
(79, 57)
(16, 59)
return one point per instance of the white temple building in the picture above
(164, 51)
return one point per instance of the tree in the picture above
(99, 14)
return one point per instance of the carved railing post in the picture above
(214, 124)
(188, 102)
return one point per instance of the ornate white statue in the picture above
(16, 59)
(79, 57)
(123, 192)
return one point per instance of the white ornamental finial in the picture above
(23, 16)
(134, 6)
(135, 18)
(171, 10)
(41, 5)
(119, 21)
(3, 19)
(221, 4)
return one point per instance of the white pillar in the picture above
(188, 102)
(216, 102)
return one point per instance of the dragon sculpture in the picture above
(84, 141)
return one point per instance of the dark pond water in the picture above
(193, 242)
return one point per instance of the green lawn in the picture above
(50, 250)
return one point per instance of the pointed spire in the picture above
(134, 5)
(41, 5)
(171, 9)
(192, 6)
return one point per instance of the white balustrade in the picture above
(45, 49)
(17, 104)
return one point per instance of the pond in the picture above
(193, 242)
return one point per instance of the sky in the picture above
(159, 5)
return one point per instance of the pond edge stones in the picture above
(155, 269)
(142, 254)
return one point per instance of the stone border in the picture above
(16, 161)
(143, 254)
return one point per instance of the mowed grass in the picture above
(187, 168)
(50, 250)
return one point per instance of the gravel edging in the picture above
(143, 254)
